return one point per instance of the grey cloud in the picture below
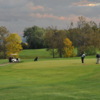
(12, 3)
(15, 14)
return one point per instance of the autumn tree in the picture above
(3, 34)
(13, 45)
(68, 48)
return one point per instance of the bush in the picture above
(1, 55)
(89, 50)
(25, 45)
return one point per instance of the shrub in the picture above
(1, 55)
(89, 50)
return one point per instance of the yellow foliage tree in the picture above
(68, 49)
(13, 45)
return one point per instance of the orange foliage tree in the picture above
(68, 48)
(13, 45)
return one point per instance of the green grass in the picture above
(32, 53)
(3, 61)
(41, 53)
(59, 79)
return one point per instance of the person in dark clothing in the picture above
(17, 60)
(98, 58)
(36, 59)
(10, 59)
(82, 57)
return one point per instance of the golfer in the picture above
(82, 57)
(98, 58)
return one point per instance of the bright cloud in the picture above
(86, 3)
(92, 5)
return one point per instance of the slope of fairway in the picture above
(50, 80)
(32, 53)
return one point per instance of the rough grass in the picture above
(60, 79)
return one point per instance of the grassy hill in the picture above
(32, 53)
(59, 79)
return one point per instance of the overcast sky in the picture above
(17, 15)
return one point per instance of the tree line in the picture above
(84, 36)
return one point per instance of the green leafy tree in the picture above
(34, 37)
(3, 34)
(85, 35)
(24, 45)
(50, 40)
(54, 39)
(60, 37)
